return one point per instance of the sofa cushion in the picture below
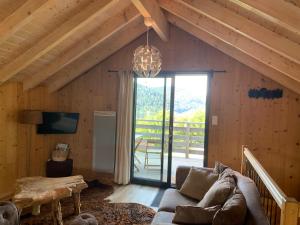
(233, 211)
(219, 167)
(219, 191)
(255, 211)
(183, 171)
(163, 218)
(194, 214)
(173, 198)
(198, 183)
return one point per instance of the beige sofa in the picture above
(172, 198)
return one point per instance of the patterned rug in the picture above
(92, 201)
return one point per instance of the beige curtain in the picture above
(124, 125)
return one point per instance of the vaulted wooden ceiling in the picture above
(51, 42)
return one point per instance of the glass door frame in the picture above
(165, 75)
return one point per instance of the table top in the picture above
(40, 190)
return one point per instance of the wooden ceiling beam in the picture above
(151, 9)
(284, 13)
(61, 33)
(19, 18)
(119, 39)
(244, 44)
(235, 53)
(247, 28)
(260, 18)
(113, 24)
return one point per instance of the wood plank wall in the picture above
(270, 127)
(22, 151)
(8, 137)
(95, 91)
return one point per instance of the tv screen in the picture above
(58, 123)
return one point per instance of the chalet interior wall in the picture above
(271, 128)
(8, 137)
(96, 91)
(22, 151)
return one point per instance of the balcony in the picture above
(187, 147)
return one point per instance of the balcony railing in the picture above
(188, 137)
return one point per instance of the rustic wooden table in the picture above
(35, 191)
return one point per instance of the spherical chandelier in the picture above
(147, 59)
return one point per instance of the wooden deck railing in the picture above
(188, 137)
(280, 209)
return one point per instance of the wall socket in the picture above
(214, 120)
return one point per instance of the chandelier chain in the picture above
(147, 36)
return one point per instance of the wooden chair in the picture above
(153, 151)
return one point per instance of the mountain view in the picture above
(149, 102)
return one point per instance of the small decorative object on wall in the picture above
(265, 93)
(61, 152)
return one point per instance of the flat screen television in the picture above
(58, 123)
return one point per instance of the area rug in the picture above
(92, 201)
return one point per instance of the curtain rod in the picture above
(203, 71)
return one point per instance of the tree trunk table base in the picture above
(35, 191)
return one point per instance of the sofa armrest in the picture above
(183, 171)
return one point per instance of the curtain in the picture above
(124, 126)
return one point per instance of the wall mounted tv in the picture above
(58, 123)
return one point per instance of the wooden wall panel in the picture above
(8, 137)
(37, 147)
(22, 151)
(269, 127)
(95, 91)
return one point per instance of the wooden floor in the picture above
(133, 193)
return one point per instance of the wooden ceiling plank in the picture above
(284, 13)
(57, 36)
(244, 44)
(235, 53)
(151, 9)
(249, 29)
(119, 39)
(260, 18)
(17, 19)
(114, 24)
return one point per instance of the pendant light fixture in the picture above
(147, 59)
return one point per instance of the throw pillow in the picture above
(194, 215)
(233, 212)
(220, 167)
(198, 183)
(219, 191)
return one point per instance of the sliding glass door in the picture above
(151, 129)
(168, 126)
